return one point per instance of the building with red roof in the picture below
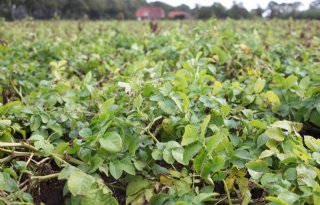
(178, 14)
(150, 13)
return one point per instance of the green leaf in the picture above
(94, 163)
(257, 124)
(213, 165)
(136, 185)
(290, 81)
(204, 125)
(35, 122)
(177, 154)
(159, 199)
(7, 183)
(259, 85)
(106, 107)
(277, 200)
(167, 156)
(2, 182)
(289, 197)
(199, 160)
(55, 127)
(190, 151)
(290, 174)
(115, 169)
(167, 152)
(128, 166)
(190, 135)
(219, 142)
(5, 123)
(315, 117)
(168, 106)
(66, 172)
(304, 83)
(97, 197)
(316, 157)
(287, 125)
(186, 101)
(111, 142)
(262, 139)
(218, 163)
(178, 103)
(44, 146)
(266, 153)
(306, 175)
(275, 133)
(244, 154)
(202, 197)
(85, 132)
(258, 166)
(80, 183)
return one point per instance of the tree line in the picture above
(125, 9)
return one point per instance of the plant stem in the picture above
(222, 201)
(18, 144)
(227, 192)
(219, 201)
(13, 155)
(5, 201)
(153, 137)
(13, 195)
(46, 177)
(65, 160)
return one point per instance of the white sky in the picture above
(249, 4)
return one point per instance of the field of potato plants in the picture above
(173, 113)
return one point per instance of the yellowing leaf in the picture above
(216, 87)
(272, 99)
(230, 182)
(287, 125)
(245, 48)
(312, 143)
(166, 180)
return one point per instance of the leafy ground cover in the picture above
(218, 112)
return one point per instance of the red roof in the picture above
(177, 13)
(150, 13)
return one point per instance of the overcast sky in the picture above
(249, 4)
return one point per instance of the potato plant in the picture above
(106, 113)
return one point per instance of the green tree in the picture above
(203, 12)
(315, 4)
(75, 9)
(237, 11)
(219, 10)
(258, 12)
